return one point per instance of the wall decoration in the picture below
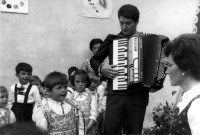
(97, 8)
(16, 6)
(196, 25)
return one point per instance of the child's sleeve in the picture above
(93, 110)
(39, 118)
(37, 96)
(12, 117)
(100, 91)
(11, 97)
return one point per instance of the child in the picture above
(55, 115)
(85, 101)
(94, 83)
(24, 94)
(6, 115)
(35, 80)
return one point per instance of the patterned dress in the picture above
(85, 107)
(5, 119)
(60, 124)
(6, 116)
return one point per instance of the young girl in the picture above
(86, 102)
(6, 115)
(55, 115)
(94, 83)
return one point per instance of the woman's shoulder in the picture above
(195, 103)
(194, 107)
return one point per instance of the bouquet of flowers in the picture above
(163, 117)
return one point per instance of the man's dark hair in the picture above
(130, 12)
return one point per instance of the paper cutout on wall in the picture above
(196, 27)
(16, 6)
(97, 8)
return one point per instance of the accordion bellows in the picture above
(138, 59)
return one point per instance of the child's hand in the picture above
(88, 129)
(104, 84)
(89, 126)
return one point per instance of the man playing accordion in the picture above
(124, 108)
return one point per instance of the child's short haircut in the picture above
(54, 78)
(81, 72)
(3, 89)
(23, 67)
(35, 78)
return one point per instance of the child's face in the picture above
(23, 77)
(59, 92)
(3, 99)
(38, 84)
(93, 85)
(80, 83)
(45, 92)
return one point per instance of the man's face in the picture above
(128, 26)
(23, 77)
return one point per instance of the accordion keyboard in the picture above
(120, 59)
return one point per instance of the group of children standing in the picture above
(58, 105)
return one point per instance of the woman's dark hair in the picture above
(54, 78)
(130, 12)
(81, 72)
(185, 50)
(94, 42)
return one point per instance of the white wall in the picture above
(54, 35)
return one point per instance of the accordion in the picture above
(138, 59)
